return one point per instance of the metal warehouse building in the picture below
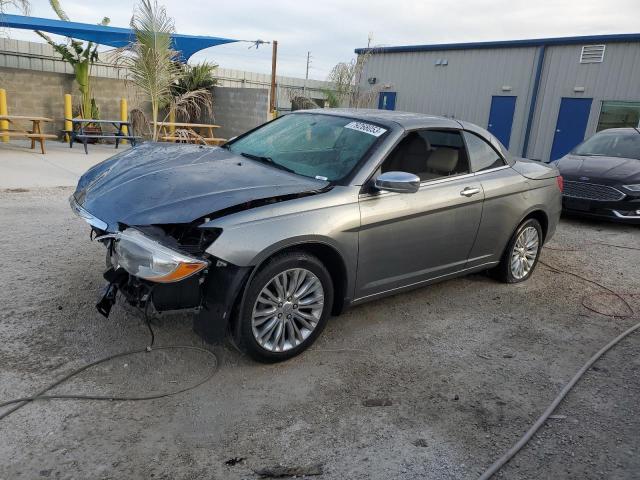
(540, 97)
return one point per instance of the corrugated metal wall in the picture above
(464, 88)
(616, 78)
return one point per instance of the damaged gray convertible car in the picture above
(289, 223)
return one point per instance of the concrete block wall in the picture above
(34, 93)
(38, 56)
(237, 110)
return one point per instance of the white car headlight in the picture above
(145, 258)
(633, 188)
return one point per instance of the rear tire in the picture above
(286, 307)
(520, 258)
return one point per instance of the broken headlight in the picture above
(148, 259)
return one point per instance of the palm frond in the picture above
(149, 59)
(22, 5)
(56, 7)
(139, 123)
(196, 78)
(200, 75)
(193, 104)
(186, 135)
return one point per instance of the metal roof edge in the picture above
(531, 42)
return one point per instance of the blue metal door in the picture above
(387, 101)
(501, 117)
(571, 125)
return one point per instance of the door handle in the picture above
(469, 191)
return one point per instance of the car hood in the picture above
(606, 170)
(160, 183)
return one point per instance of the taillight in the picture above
(560, 182)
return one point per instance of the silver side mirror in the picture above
(400, 182)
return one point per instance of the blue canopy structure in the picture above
(117, 37)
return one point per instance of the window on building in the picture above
(481, 154)
(430, 154)
(619, 115)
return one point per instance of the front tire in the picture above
(521, 255)
(286, 307)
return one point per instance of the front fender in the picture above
(332, 219)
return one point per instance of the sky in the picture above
(332, 29)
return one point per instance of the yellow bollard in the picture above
(123, 116)
(68, 114)
(4, 124)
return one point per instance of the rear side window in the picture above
(481, 155)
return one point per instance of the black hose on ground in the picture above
(21, 402)
(630, 311)
(498, 464)
(580, 249)
(504, 459)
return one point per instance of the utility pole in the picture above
(272, 93)
(306, 77)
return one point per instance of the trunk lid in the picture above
(534, 170)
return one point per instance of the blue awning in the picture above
(117, 37)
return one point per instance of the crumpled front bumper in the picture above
(211, 294)
(186, 294)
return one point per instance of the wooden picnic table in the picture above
(205, 132)
(79, 124)
(35, 134)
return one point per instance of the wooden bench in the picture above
(35, 134)
(207, 140)
(34, 137)
(189, 133)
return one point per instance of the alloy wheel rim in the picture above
(524, 253)
(287, 310)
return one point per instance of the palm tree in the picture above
(151, 63)
(195, 78)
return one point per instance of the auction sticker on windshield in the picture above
(374, 130)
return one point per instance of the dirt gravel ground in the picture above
(460, 369)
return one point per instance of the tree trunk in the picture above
(82, 77)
